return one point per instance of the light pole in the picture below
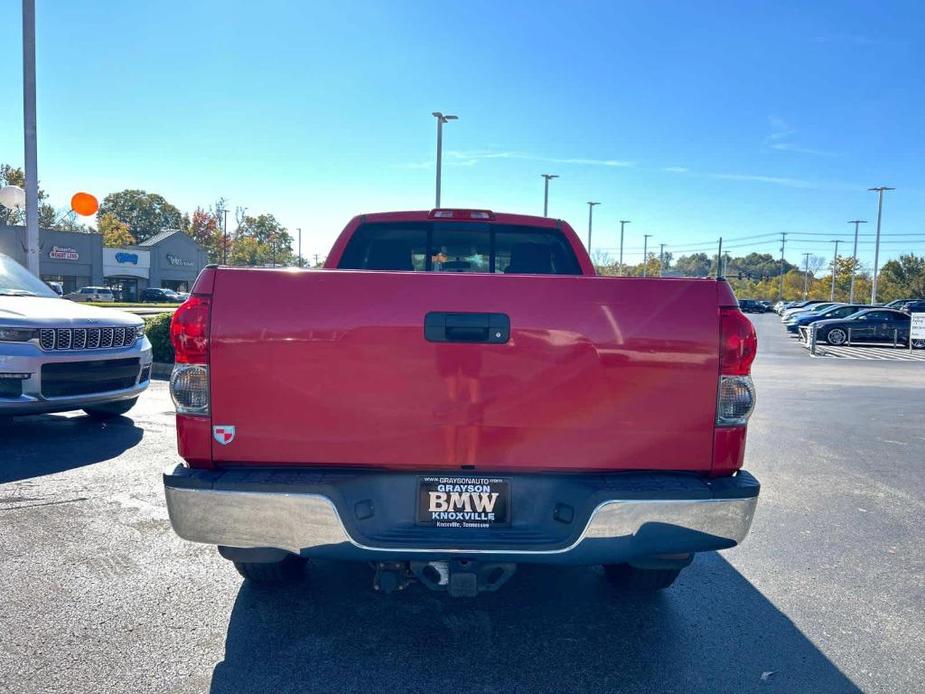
(546, 192)
(299, 229)
(783, 243)
(834, 270)
(661, 258)
(441, 119)
(645, 253)
(854, 257)
(719, 259)
(29, 136)
(225, 237)
(806, 274)
(622, 223)
(590, 214)
(873, 284)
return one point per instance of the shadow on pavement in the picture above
(548, 629)
(46, 444)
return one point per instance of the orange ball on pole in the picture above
(84, 204)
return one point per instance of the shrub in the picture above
(157, 328)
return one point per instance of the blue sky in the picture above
(693, 120)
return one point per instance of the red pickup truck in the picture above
(456, 393)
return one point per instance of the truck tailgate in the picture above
(333, 368)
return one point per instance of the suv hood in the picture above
(42, 311)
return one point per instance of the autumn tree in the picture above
(204, 228)
(114, 232)
(145, 213)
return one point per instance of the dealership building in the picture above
(170, 259)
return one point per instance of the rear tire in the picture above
(836, 337)
(272, 573)
(630, 578)
(110, 410)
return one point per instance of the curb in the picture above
(161, 371)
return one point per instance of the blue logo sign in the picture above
(123, 257)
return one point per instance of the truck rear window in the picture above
(459, 247)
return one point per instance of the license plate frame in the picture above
(479, 502)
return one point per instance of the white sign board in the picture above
(917, 326)
(122, 262)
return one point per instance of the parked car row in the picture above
(845, 323)
(156, 295)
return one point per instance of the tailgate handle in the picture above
(489, 328)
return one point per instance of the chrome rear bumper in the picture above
(311, 523)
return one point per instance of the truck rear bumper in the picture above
(370, 515)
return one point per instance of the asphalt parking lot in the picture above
(827, 594)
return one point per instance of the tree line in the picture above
(132, 216)
(758, 275)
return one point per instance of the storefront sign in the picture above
(126, 262)
(60, 253)
(178, 261)
(125, 257)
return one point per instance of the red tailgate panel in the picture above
(331, 367)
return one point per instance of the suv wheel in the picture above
(274, 572)
(110, 410)
(630, 578)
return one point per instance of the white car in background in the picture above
(57, 355)
(97, 294)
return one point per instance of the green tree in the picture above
(272, 243)
(696, 265)
(902, 278)
(145, 213)
(115, 233)
(15, 176)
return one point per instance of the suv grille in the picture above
(86, 377)
(72, 339)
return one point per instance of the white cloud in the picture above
(676, 169)
(780, 139)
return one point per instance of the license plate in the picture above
(464, 502)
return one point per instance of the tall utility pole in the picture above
(622, 223)
(299, 229)
(834, 270)
(645, 254)
(783, 243)
(441, 119)
(546, 192)
(873, 284)
(805, 274)
(225, 236)
(590, 211)
(719, 259)
(661, 258)
(854, 257)
(29, 136)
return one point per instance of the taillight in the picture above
(738, 343)
(189, 331)
(189, 335)
(738, 346)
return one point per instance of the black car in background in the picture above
(752, 306)
(156, 295)
(872, 325)
(831, 313)
(916, 306)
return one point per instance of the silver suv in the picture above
(57, 355)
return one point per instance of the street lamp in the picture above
(29, 136)
(873, 284)
(806, 274)
(661, 258)
(441, 119)
(834, 269)
(590, 211)
(645, 253)
(546, 192)
(622, 223)
(854, 257)
(299, 229)
(225, 236)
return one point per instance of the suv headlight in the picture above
(16, 334)
(140, 331)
